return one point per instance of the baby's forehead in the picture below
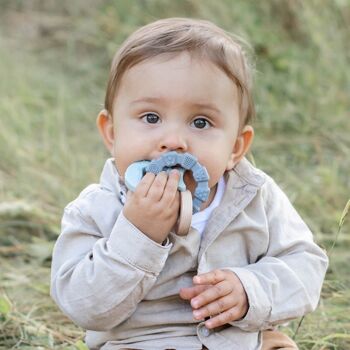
(178, 60)
(179, 78)
(174, 68)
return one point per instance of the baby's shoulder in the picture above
(274, 200)
(95, 203)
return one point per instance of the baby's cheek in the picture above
(120, 167)
(215, 175)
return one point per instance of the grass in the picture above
(54, 64)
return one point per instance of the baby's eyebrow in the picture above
(207, 106)
(192, 104)
(147, 99)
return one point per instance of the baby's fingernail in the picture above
(196, 279)
(196, 314)
(208, 324)
(194, 303)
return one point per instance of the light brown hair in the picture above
(198, 37)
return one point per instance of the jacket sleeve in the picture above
(286, 282)
(98, 278)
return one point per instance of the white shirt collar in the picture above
(200, 219)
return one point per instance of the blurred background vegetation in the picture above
(54, 64)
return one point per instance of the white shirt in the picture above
(199, 220)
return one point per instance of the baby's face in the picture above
(179, 104)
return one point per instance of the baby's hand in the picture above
(219, 294)
(154, 206)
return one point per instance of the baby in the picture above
(248, 262)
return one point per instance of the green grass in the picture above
(54, 62)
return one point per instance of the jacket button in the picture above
(205, 331)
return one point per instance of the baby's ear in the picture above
(104, 124)
(241, 147)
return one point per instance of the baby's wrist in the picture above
(139, 223)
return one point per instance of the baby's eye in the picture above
(150, 118)
(201, 123)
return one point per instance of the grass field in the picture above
(54, 62)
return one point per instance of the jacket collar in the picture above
(249, 174)
(112, 181)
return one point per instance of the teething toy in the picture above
(181, 162)
(136, 171)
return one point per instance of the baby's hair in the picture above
(202, 39)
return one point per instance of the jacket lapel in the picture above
(242, 184)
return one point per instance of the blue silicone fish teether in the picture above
(136, 171)
(167, 162)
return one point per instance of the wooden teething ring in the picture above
(185, 217)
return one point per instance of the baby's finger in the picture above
(214, 292)
(170, 191)
(156, 190)
(211, 277)
(176, 201)
(191, 292)
(230, 315)
(144, 185)
(216, 307)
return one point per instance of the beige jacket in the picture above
(121, 286)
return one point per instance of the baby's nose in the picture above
(173, 141)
